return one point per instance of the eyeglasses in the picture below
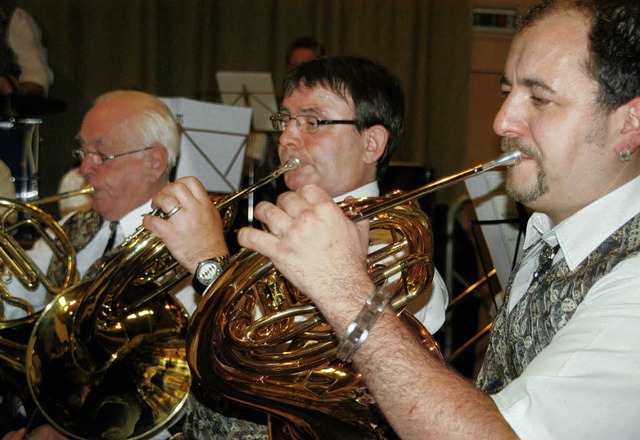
(99, 158)
(306, 124)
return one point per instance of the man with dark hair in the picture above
(563, 356)
(373, 92)
(303, 49)
(342, 118)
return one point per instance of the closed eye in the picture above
(539, 101)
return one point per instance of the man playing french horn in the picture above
(563, 356)
(128, 143)
(342, 118)
(126, 165)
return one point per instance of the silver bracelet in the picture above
(358, 330)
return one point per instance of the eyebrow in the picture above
(537, 84)
(307, 110)
(530, 83)
(98, 142)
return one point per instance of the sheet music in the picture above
(213, 142)
(250, 89)
(491, 203)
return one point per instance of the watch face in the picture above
(208, 271)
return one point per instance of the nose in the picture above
(290, 137)
(510, 119)
(87, 166)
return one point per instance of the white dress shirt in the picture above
(24, 39)
(430, 306)
(586, 383)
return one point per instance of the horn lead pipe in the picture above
(289, 165)
(65, 195)
(511, 158)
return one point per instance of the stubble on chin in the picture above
(520, 187)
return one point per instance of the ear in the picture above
(631, 126)
(375, 138)
(158, 160)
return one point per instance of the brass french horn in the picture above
(107, 357)
(16, 264)
(255, 340)
(19, 270)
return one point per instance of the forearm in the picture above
(420, 396)
(323, 253)
(29, 89)
(10, 86)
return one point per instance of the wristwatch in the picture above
(208, 271)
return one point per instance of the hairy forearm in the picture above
(323, 254)
(420, 396)
(10, 86)
(30, 89)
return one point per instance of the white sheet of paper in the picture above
(250, 89)
(213, 142)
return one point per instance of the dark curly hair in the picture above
(614, 44)
(376, 93)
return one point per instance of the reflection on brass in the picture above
(15, 263)
(258, 341)
(107, 357)
(128, 378)
(17, 268)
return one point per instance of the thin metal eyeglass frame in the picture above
(280, 118)
(80, 153)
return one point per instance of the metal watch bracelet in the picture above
(358, 330)
(200, 287)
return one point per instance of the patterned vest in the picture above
(550, 301)
(80, 228)
(8, 59)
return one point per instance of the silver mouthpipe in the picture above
(505, 159)
(289, 165)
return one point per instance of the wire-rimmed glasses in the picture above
(305, 123)
(98, 158)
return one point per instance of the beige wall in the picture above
(489, 51)
(464, 88)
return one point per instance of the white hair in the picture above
(154, 123)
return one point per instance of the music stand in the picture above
(213, 142)
(499, 221)
(254, 90)
(250, 89)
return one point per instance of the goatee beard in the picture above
(519, 192)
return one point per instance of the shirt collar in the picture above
(130, 222)
(368, 190)
(582, 233)
(538, 228)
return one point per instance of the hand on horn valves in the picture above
(315, 246)
(194, 232)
